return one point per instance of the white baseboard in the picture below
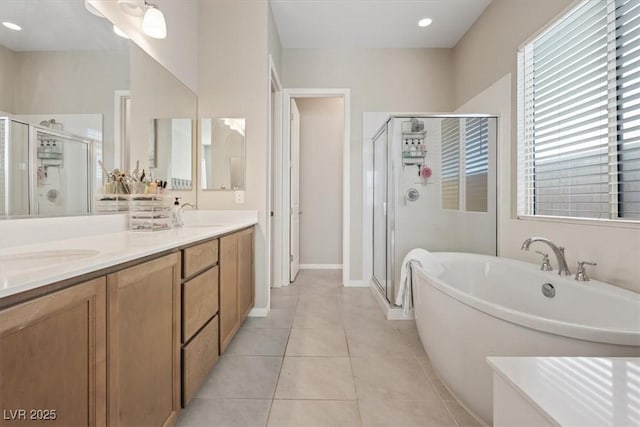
(397, 313)
(390, 312)
(356, 284)
(259, 311)
(320, 266)
(384, 305)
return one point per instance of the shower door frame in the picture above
(383, 129)
(33, 161)
(32, 167)
(391, 193)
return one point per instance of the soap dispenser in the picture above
(177, 213)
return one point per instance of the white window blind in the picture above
(628, 106)
(450, 158)
(579, 114)
(476, 163)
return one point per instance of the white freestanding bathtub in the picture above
(468, 307)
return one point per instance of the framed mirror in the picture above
(170, 142)
(223, 149)
(74, 92)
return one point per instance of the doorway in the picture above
(274, 168)
(315, 182)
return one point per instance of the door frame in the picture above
(283, 186)
(295, 210)
(275, 175)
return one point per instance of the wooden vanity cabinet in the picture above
(237, 290)
(52, 359)
(128, 348)
(143, 365)
(200, 296)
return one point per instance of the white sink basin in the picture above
(14, 263)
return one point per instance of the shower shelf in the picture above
(414, 149)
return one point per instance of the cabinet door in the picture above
(143, 305)
(229, 314)
(52, 359)
(246, 289)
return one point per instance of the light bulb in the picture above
(425, 22)
(12, 26)
(153, 23)
(91, 8)
(119, 32)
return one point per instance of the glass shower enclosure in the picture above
(434, 187)
(44, 171)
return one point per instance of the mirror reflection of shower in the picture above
(45, 171)
(434, 187)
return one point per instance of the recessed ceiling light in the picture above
(12, 26)
(119, 32)
(425, 22)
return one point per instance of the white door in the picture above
(294, 233)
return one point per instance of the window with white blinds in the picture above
(476, 163)
(450, 157)
(579, 115)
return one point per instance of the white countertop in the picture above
(33, 265)
(577, 391)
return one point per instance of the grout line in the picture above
(284, 354)
(353, 374)
(455, 421)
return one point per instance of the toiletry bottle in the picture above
(177, 213)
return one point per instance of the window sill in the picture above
(617, 223)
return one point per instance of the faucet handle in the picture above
(581, 274)
(546, 265)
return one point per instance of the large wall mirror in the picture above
(222, 147)
(73, 92)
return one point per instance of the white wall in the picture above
(179, 51)
(7, 77)
(616, 249)
(487, 51)
(380, 80)
(157, 94)
(69, 83)
(275, 45)
(321, 144)
(233, 82)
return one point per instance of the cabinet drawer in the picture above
(199, 257)
(198, 358)
(199, 302)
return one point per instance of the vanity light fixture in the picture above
(119, 32)
(132, 7)
(12, 26)
(425, 22)
(92, 9)
(153, 23)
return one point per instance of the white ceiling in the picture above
(374, 23)
(55, 25)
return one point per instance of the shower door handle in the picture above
(384, 208)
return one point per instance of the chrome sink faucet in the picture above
(563, 268)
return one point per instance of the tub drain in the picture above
(548, 290)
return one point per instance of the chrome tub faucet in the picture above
(563, 268)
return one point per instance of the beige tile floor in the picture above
(324, 357)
